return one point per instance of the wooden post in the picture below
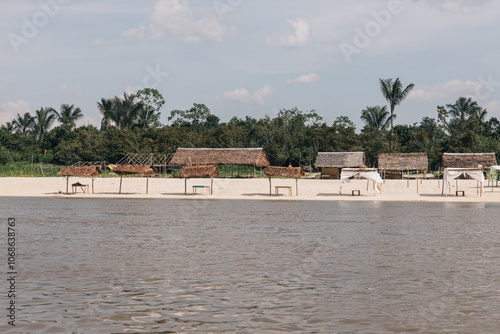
(185, 186)
(93, 184)
(147, 183)
(417, 181)
(254, 173)
(211, 186)
(270, 188)
(121, 176)
(367, 185)
(407, 178)
(67, 181)
(297, 186)
(384, 176)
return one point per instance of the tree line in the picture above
(130, 123)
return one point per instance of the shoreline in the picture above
(248, 189)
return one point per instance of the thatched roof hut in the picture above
(403, 161)
(340, 160)
(219, 156)
(190, 172)
(87, 171)
(468, 160)
(81, 171)
(292, 172)
(331, 163)
(135, 169)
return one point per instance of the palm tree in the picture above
(107, 112)
(124, 112)
(69, 115)
(394, 93)
(9, 127)
(376, 117)
(23, 123)
(464, 108)
(42, 122)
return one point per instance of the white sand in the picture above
(309, 189)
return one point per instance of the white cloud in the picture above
(455, 6)
(10, 110)
(175, 17)
(493, 108)
(242, 95)
(452, 89)
(304, 79)
(300, 35)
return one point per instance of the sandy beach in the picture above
(309, 189)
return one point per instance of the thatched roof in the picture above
(135, 169)
(468, 160)
(80, 171)
(340, 159)
(294, 172)
(403, 161)
(199, 171)
(219, 156)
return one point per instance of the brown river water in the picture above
(213, 266)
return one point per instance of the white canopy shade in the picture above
(451, 174)
(368, 173)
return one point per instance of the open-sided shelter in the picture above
(220, 156)
(396, 163)
(451, 174)
(80, 171)
(145, 170)
(368, 173)
(331, 163)
(290, 172)
(202, 171)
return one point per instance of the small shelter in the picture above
(493, 175)
(331, 163)
(255, 157)
(291, 172)
(145, 170)
(69, 171)
(451, 174)
(368, 173)
(399, 162)
(202, 171)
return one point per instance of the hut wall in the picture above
(330, 173)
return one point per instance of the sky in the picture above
(249, 58)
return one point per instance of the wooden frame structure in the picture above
(69, 171)
(158, 161)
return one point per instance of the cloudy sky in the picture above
(249, 57)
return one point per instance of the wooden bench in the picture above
(84, 187)
(207, 189)
(276, 189)
(356, 192)
(462, 192)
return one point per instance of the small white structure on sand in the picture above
(368, 173)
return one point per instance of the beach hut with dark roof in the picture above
(220, 156)
(145, 170)
(393, 164)
(200, 171)
(87, 171)
(290, 172)
(331, 163)
(468, 160)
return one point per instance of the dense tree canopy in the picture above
(292, 137)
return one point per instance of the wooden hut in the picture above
(146, 170)
(468, 160)
(191, 172)
(291, 172)
(331, 163)
(396, 163)
(220, 156)
(80, 171)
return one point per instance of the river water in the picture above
(209, 266)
